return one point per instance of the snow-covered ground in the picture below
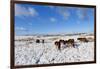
(31, 53)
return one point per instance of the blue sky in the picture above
(40, 19)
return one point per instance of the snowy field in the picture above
(28, 52)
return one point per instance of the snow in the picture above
(31, 53)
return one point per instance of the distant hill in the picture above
(60, 34)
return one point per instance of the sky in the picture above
(47, 19)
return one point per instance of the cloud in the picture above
(82, 13)
(63, 11)
(53, 19)
(20, 29)
(25, 11)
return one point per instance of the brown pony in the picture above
(58, 45)
(70, 42)
(82, 39)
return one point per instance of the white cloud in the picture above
(20, 28)
(53, 19)
(32, 11)
(63, 11)
(82, 13)
(25, 11)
